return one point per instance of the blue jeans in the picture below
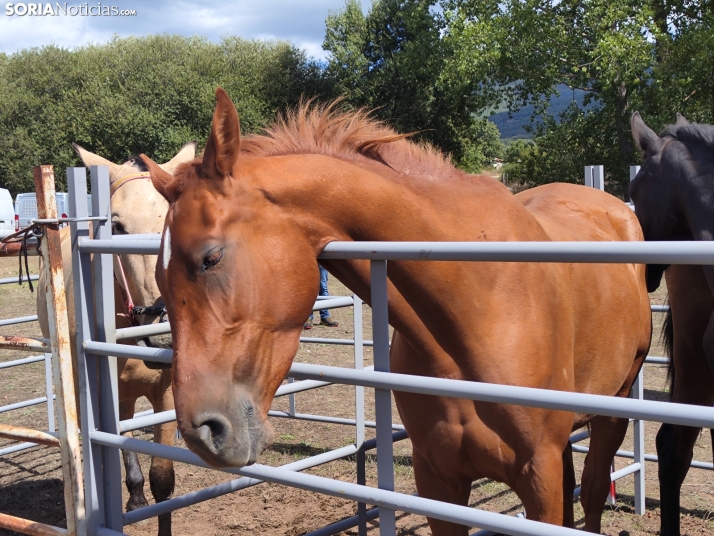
(324, 314)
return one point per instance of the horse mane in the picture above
(331, 130)
(694, 133)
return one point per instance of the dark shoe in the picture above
(329, 323)
(308, 324)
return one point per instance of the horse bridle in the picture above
(131, 310)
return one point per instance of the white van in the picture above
(26, 207)
(7, 213)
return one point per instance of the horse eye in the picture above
(209, 261)
(118, 228)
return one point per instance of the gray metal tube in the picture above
(111, 245)
(700, 252)
(17, 448)
(659, 308)
(138, 332)
(124, 350)
(656, 360)
(333, 303)
(24, 404)
(344, 342)
(324, 418)
(10, 280)
(684, 414)
(344, 524)
(25, 361)
(346, 490)
(18, 320)
(238, 484)
(687, 415)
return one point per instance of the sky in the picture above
(300, 21)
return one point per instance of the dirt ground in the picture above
(30, 481)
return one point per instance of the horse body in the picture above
(674, 200)
(136, 208)
(238, 272)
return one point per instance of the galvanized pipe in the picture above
(241, 483)
(326, 419)
(700, 252)
(18, 320)
(24, 361)
(684, 414)
(23, 404)
(577, 252)
(16, 448)
(346, 490)
(10, 280)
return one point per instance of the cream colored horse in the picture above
(136, 207)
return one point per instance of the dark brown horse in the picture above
(238, 270)
(674, 200)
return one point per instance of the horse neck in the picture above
(694, 185)
(364, 205)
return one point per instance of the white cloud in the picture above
(301, 22)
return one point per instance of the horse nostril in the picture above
(213, 431)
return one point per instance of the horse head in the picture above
(137, 208)
(239, 281)
(655, 191)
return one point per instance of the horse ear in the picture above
(223, 144)
(645, 138)
(162, 180)
(91, 159)
(681, 121)
(185, 154)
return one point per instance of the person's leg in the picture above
(324, 313)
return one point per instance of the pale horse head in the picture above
(137, 208)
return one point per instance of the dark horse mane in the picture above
(694, 133)
(330, 130)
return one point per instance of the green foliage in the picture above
(646, 55)
(135, 95)
(392, 60)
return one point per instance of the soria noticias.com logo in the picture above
(56, 9)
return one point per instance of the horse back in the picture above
(570, 212)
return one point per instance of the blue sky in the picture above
(299, 21)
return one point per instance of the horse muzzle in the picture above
(232, 437)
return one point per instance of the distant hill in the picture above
(511, 126)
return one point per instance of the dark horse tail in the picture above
(668, 341)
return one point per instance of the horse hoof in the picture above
(134, 503)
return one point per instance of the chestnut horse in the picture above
(238, 270)
(136, 208)
(674, 200)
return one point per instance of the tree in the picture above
(149, 94)
(647, 55)
(392, 61)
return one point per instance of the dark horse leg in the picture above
(568, 486)
(692, 383)
(134, 477)
(161, 475)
